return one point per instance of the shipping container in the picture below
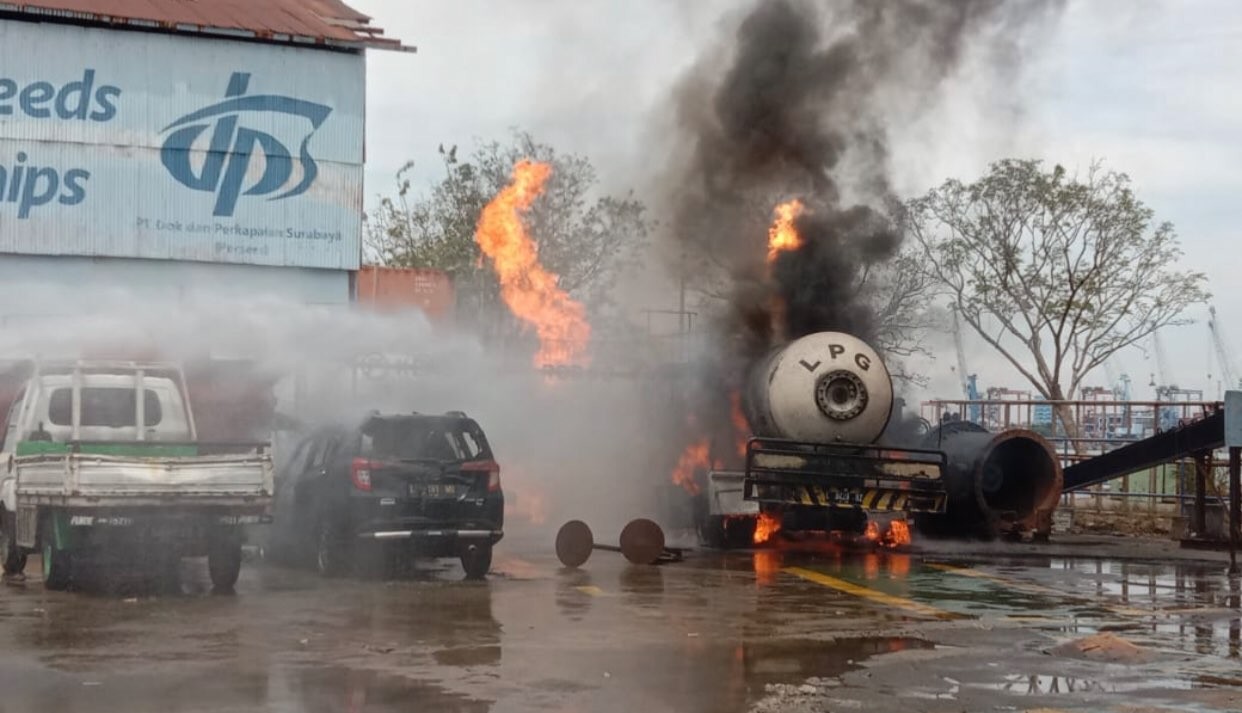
(396, 288)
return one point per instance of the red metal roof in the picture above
(325, 22)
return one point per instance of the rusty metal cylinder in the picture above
(827, 387)
(1004, 483)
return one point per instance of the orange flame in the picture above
(783, 235)
(741, 426)
(530, 291)
(692, 460)
(766, 527)
(872, 532)
(898, 534)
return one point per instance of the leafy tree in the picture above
(1055, 272)
(585, 239)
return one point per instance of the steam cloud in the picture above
(334, 364)
(800, 105)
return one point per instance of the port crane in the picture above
(970, 382)
(1224, 355)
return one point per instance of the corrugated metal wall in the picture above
(94, 161)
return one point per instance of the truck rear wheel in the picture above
(57, 560)
(14, 559)
(224, 558)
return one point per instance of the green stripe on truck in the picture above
(135, 450)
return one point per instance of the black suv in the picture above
(414, 484)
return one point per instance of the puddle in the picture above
(1044, 685)
(795, 661)
(352, 690)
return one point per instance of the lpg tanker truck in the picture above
(823, 456)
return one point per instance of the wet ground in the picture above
(803, 628)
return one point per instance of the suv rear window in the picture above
(107, 407)
(424, 438)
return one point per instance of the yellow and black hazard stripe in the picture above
(863, 498)
(871, 499)
(885, 500)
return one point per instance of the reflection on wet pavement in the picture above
(715, 633)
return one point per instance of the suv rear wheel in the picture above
(331, 551)
(476, 560)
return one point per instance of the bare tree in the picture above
(899, 293)
(1056, 273)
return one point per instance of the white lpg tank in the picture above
(826, 387)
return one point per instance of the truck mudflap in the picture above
(849, 476)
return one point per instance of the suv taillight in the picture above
(360, 474)
(491, 467)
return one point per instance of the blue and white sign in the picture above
(127, 144)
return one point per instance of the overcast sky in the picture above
(1149, 86)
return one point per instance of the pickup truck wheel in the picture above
(14, 558)
(330, 550)
(57, 561)
(224, 556)
(476, 560)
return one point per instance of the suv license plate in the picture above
(433, 490)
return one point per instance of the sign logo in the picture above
(226, 165)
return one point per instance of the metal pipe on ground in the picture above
(999, 484)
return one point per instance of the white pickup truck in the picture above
(101, 466)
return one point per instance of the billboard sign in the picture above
(127, 144)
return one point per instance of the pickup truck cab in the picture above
(101, 463)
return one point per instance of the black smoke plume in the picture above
(797, 101)
(798, 104)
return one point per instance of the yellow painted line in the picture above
(589, 589)
(871, 594)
